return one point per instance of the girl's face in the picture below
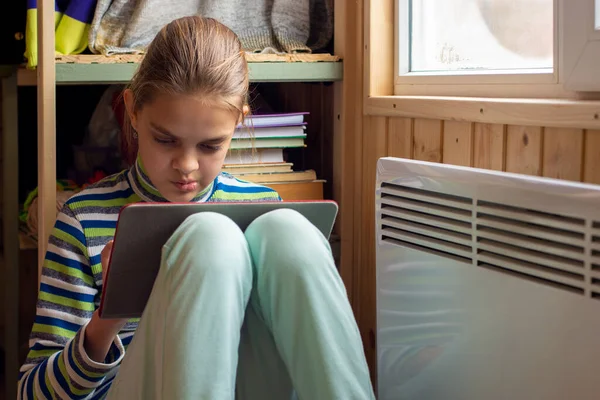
(182, 142)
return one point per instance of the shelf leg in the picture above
(46, 96)
(10, 233)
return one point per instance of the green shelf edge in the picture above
(78, 74)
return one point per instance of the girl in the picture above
(253, 315)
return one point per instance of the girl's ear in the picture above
(129, 107)
(245, 112)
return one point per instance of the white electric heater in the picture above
(488, 285)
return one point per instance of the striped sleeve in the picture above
(231, 189)
(57, 365)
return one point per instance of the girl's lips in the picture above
(186, 186)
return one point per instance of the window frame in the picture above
(580, 44)
(507, 104)
(563, 82)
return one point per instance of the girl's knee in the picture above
(208, 242)
(286, 243)
(283, 225)
(201, 228)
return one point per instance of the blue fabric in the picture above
(81, 10)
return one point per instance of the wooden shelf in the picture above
(6, 70)
(95, 69)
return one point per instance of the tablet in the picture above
(143, 229)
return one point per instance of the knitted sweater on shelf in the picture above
(268, 26)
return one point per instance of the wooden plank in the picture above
(46, 105)
(374, 147)
(488, 146)
(524, 149)
(591, 167)
(400, 137)
(326, 135)
(337, 157)
(6, 71)
(563, 153)
(348, 43)
(137, 58)
(355, 36)
(10, 233)
(379, 40)
(339, 48)
(564, 113)
(427, 143)
(98, 59)
(458, 143)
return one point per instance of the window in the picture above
(499, 48)
(480, 35)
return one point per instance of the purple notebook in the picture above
(274, 120)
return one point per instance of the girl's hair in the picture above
(193, 56)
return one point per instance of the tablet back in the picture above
(143, 229)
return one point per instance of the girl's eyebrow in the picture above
(162, 130)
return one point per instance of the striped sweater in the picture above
(57, 365)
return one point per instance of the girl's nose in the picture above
(186, 163)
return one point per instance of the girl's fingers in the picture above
(105, 256)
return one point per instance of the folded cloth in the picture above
(290, 26)
(29, 214)
(72, 19)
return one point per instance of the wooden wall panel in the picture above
(524, 149)
(400, 138)
(563, 153)
(374, 147)
(427, 142)
(591, 163)
(458, 143)
(489, 145)
(570, 154)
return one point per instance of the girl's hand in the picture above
(104, 259)
(100, 333)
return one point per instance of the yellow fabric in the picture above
(71, 36)
(31, 37)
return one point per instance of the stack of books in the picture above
(257, 155)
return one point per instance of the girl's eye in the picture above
(164, 141)
(209, 148)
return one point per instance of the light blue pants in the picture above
(254, 315)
